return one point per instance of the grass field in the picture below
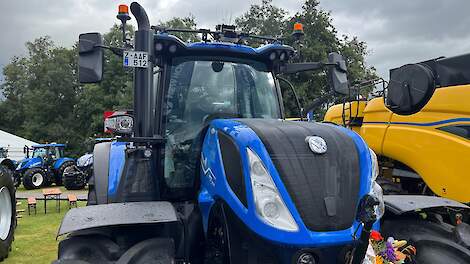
(35, 235)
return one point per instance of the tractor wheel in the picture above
(101, 248)
(88, 249)
(60, 173)
(34, 178)
(72, 180)
(217, 247)
(7, 212)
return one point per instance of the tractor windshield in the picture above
(39, 152)
(205, 89)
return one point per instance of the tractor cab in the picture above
(48, 152)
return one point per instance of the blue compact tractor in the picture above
(45, 166)
(208, 170)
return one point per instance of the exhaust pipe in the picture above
(144, 101)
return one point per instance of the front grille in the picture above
(324, 187)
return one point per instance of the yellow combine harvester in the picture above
(422, 151)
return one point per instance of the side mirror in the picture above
(410, 88)
(90, 59)
(338, 74)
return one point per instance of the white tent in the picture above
(14, 145)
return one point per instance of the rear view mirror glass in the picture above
(410, 88)
(90, 59)
(338, 74)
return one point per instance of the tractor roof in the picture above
(173, 46)
(49, 145)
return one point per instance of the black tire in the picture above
(72, 179)
(217, 246)
(434, 241)
(59, 181)
(100, 248)
(88, 249)
(155, 250)
(31, 179)
(7, 210)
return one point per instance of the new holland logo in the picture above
(316, 144)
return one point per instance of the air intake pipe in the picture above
(144, 101)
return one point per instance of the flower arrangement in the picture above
(389, 251)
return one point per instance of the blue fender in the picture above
(61, 161)
(214, 186)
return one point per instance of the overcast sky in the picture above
(397, 32)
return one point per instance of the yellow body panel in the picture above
(441, 158)
(335, 114)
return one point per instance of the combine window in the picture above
(202, 90)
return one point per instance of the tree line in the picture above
(44, 102)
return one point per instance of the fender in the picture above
(61, 161)
(105, 215)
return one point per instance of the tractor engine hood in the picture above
(319, 171)
(29, 163)
(323, 183)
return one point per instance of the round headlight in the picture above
(172, 49)
(272, 56)
(159, 46)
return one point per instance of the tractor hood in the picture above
(320, 172)
(323, 183)
(29, 163)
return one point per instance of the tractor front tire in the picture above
(34, 178)
(7, 212)
(59, 181)
(99, 248)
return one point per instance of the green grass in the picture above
(35, 235)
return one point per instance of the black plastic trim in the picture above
(233, 166)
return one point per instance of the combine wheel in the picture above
(34, 178)
(434, 241)
(7, 212)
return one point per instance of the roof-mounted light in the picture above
(298, 31)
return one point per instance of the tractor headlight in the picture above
(269, 204)
(375, 189)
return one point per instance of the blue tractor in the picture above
(208, 170)
(45, 166)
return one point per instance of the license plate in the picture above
(136, 59)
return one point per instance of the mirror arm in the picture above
(115, 50)
(319, 101)
(301, 110)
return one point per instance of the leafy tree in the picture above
(319, 40)
(188, 22)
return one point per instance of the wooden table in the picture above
(52, 193)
